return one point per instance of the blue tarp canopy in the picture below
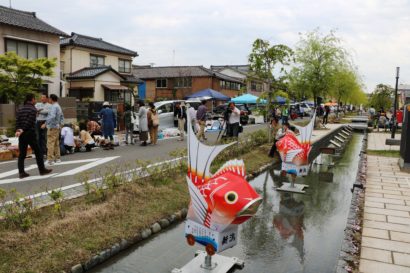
(280, 100)
(248, 98)
(215, 95)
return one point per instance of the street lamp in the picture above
(394, 121)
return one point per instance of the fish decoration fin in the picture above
(200, 157)
(235, 166)
(306, 131)
(198, 203)
(290, 155)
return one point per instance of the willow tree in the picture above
(268, 62)
(317, 56)
(382, 97)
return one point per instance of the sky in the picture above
(220, 32)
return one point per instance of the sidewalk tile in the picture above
(396, 192)
(400, 236)
(387, 212)
(386, 244)
(386, 226)
(375, 217)
(401, 259)
(398, 207)
(374, 194)
(376, 233)
(375, 205)
(376, 255)
(367, 266)
(399, 220)
(385, 200)
(402, 197)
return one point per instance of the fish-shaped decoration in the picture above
(294, 152)
(218, 201)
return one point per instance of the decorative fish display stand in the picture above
(219, 203)
(295, 155)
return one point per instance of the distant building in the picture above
(177, 82)
(96, 70)
(30, 37)
(253, 84)
(404, 94)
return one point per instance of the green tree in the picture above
(19, 76)
(382, 97)
(268, 63)
(317, 57)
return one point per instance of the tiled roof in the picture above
(131, 79)
(27, 20)
(95, 43)
(178, 72)
(91, 72)
(244, 69)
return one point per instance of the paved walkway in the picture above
(377, 141)
(386, 227)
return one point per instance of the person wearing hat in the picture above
(109, 122)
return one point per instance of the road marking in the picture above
(33, 166)
(36, 177)
(87, 166)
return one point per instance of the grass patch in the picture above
(386, 153)
(90, 225)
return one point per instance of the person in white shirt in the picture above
(234, 114)
(67, 138)
(42, 112)
(192, 117)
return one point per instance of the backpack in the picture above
(155, 119)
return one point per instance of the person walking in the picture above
(233, 120)
(26, 133)
(129, 127)
(109, 123)
(180, 113)
(153, 123)
(143, 122)
(42, 110)
(201, 118)
(55, 119)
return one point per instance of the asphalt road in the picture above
(98, 162)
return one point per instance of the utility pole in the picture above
(393, 131)
(10, 3)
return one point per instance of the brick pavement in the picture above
(377, 141)
(386, 227)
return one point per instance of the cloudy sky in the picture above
(217, 32)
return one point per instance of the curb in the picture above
(349, 256)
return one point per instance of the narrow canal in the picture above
(290, 233)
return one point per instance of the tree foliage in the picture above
(382, 97)
(19, 76)
(318, 57)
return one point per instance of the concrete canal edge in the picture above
(144, 234)
(349, 256)
(174, 219)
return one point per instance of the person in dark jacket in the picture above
(129, 127)
(180, 113)
(26, 132)
(109, 122)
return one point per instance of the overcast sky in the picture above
(218, 32)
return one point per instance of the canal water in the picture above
(291, 233)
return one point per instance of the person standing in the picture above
(42, 110)
(234, 119)
(53, 123)
(285, 114)
(109, 123)
(25, 131)
(325, 117)
(201, 118)
(143, 122)
(275, 129)
(153, 123)
(191, 115)
(129, 127)
(180, 113)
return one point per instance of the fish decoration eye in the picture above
(231, 197)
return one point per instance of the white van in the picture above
(166, 111)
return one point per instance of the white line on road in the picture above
(87, 166)
(36, 177)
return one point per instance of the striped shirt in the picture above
(26, 117)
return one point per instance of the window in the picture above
(166, 108)
(161, 83)
(124, 66)
(183, 82)
(96, 60)
(26, 50)
(113, 95)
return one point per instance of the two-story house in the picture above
(96, 70)
(30, 37)
(177, 82)
(254, 85)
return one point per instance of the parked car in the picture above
(221, 109)
(166, 111)
(307, 110)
